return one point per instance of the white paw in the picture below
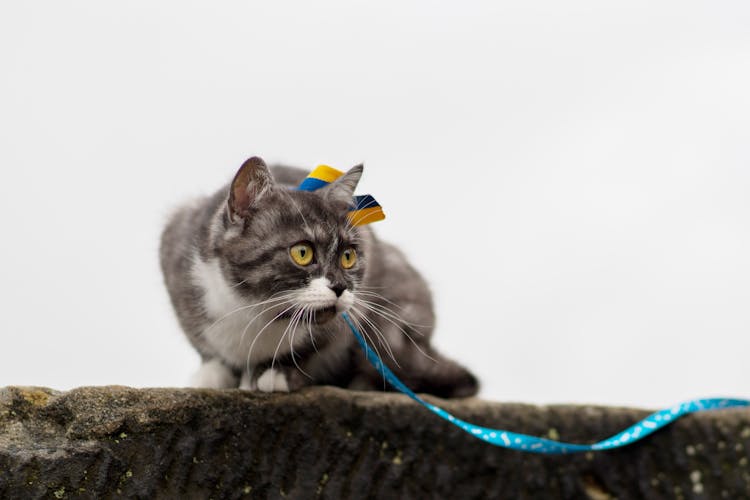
(213, 374)
(273, 381)
(246, 381)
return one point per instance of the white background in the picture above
(572, 177)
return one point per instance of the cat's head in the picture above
(297, 250)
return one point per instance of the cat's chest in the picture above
(241, 331)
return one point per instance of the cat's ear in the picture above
(343, 188)
(252, 182)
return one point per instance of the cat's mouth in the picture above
(317, 316)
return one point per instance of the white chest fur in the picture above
(242, 331)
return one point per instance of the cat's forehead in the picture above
(313, 208)
(302, 212)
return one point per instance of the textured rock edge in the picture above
(331, 443)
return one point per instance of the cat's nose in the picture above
(338, 289)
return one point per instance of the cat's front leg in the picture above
(247, 382)
(279, 378)
(213, 374)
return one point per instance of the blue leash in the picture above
(370, 211)
(523, 442)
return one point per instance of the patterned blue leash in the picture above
(366, 210)
(523, 442)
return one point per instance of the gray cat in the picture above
(259, 274)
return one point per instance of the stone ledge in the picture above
(330, 443)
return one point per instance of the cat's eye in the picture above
(348, 258)
(302, 254)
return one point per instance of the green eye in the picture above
(302, 254)
(348, 258)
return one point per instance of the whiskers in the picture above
(248, 363)
(282, 329)
(369, 303)
(277, 299)
(299, 316)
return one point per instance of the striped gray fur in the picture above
(261, 321)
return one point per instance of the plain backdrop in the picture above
(571, 177)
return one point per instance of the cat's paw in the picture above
(248, 382)
(213, 374)
(272, 380)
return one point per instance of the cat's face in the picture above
(294, 252)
